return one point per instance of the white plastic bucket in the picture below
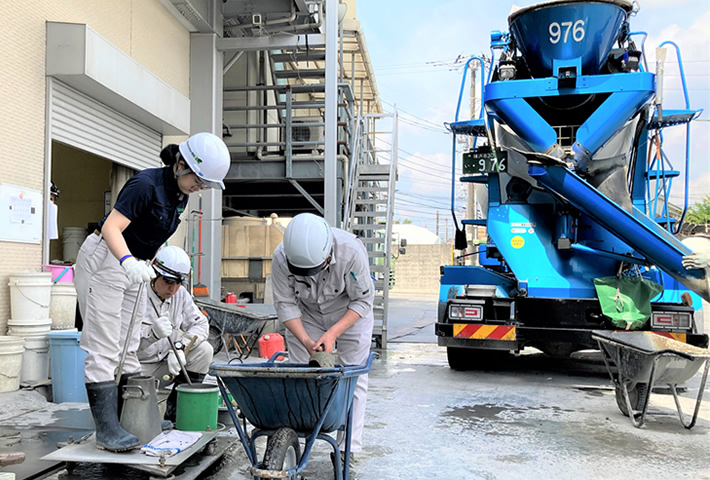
(23, 329)
(11, 350)
(30, 295)
(62, 308)
(72, 238)
(35, 359)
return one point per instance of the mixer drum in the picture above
(565, 30)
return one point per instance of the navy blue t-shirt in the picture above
(152, 201)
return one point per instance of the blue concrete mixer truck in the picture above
(579, 232)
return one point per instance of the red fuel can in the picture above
(270, 344)
(230, 298)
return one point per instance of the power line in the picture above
(412, 115)
(400, 150)
(422, 204)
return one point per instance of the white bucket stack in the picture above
(35, 359)
(72, 238)
(30, 301)
(11, 350)
(62, 308)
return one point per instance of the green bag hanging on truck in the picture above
(626, 300)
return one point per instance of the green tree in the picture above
(699, 213)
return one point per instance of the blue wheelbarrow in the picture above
(288, 401)
(644, 359)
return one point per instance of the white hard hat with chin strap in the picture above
(207, 156)
(172, 263)
(308, 243)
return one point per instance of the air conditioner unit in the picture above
(307, 133)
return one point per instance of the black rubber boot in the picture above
(171, 402)
(103, 399)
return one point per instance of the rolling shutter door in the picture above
(82, 122)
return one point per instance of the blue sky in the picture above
(413, 45)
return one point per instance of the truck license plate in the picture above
(485, 162)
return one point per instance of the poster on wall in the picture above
(20, 214)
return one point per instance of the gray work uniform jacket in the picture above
(324, 298)
(184, 315)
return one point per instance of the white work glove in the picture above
(696, 260)
(173, 365)
(162, 327)
(187, 339)
(137, 271)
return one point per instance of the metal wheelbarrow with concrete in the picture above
(288, 401)
(645, 359)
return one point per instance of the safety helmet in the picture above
(172, 263)
(208, 158)
(308, 242)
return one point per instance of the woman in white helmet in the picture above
(323, 294)
(116, 259)
(171, 313)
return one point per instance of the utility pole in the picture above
(446, 233)
(437, 223)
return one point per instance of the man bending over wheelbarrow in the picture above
(323, 294)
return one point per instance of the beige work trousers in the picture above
(353, 348)
(106, 300)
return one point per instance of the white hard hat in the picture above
(172, 263)
(208, 157)
(308, 242)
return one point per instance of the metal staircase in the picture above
(370, 205)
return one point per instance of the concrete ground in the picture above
(532, 417)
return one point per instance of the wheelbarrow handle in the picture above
(361, 369)
(275, 356)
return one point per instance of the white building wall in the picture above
(143, 29)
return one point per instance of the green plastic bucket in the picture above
(197, 407)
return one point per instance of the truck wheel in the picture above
(283, 451)
(637, 397)
(475, 358)
(460, 358)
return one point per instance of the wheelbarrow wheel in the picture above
(215, 339)
(637, 397)
(283, 451)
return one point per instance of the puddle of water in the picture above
(489, 411)
(593, 391)
(34, 443)
(517, 459)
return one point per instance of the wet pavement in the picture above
(531, 417)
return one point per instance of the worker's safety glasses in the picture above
(308, 271)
